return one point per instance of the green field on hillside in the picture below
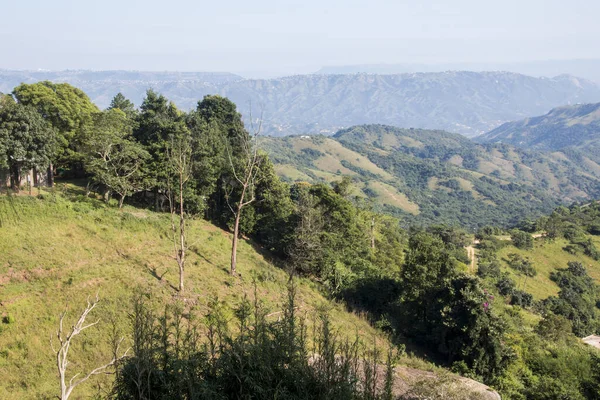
(546, 257)
(57, 250)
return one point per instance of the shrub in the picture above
(263, 360)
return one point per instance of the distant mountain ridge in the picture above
(469, 103)
(584, 68)
(568, 126)
(101, 86)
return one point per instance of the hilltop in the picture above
(435, 176)
(574, 129)
(469, 103)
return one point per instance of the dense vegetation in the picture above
(415, 285)
(264, 360)
(432, 177)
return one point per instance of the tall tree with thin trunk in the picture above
(179, 158)
(62, 353)
(244, 171)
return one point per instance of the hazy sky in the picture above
(290, 36)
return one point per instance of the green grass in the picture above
(546, 256)
(54, 252)
(389, 195)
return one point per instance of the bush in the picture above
(489, 269)
(264, 360)
(506, 286)
(521, 240)
(554, 327)
(521, 298)
(521, 264)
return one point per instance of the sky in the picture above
(277, 37)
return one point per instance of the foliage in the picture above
(577, 300)
(447, 310)
(174, 359)
(66, 108)
(112, 155)
(26, 140)
(521, 240)
(521, 264)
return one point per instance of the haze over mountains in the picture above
(469, 103)
(584, 68)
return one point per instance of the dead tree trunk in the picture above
(249, 168)
(51, 175)
(62, 352)
(236, 231)
(180, 158)
(15, 177)
(373, 233)
(182, 244)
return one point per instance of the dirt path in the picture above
(471, 248)
(471, 255)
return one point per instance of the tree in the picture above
(272, 209)
(122, 103)
(448, 310)
(112, 155)
(522, 265)
(157, 122)
(68, 109)
(215, 124)
(305, 250)
(241, 183)
(26, 140)
(62, 353)
(578, 298)
(521, 240)
(179, 157)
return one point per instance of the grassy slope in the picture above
(55, 252)
(546, 257)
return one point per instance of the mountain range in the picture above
(470, 103)
(584, 68)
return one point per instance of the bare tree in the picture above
(244, 177)
(373, 232)
(179, 156)
(62, 353)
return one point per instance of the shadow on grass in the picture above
(377, 298)
(160, 277)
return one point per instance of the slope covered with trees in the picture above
(435, 176)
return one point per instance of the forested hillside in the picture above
(435, 176)
(469, 103)
(210, 277)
